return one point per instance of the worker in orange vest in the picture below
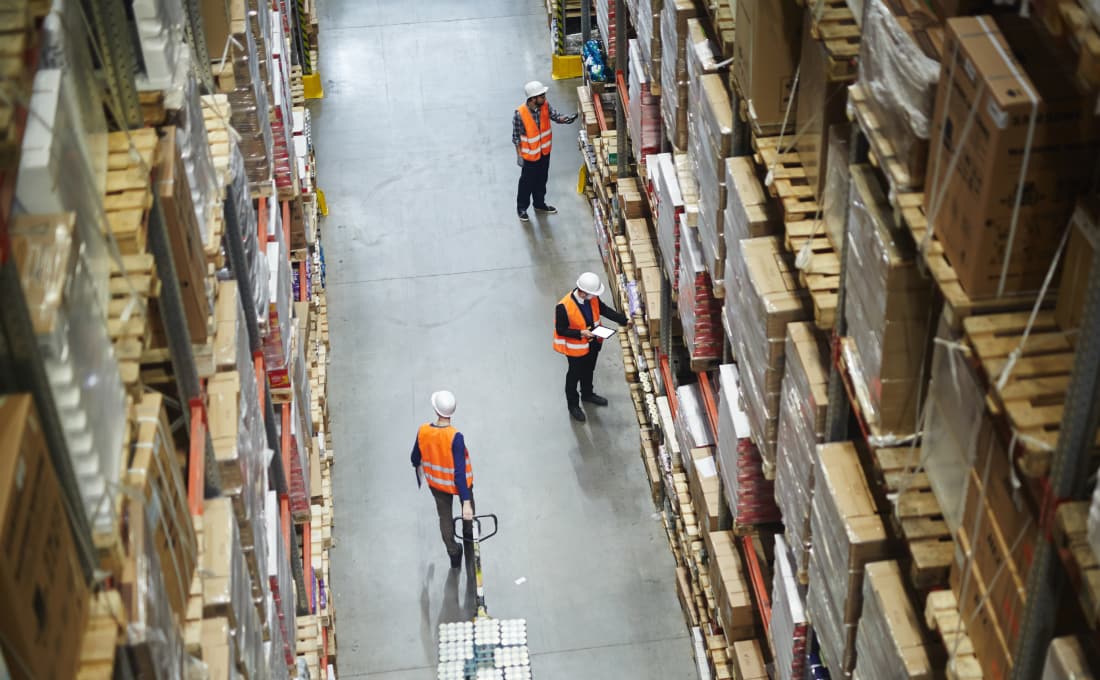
(533, 139)
(575, 318)
(439, 456)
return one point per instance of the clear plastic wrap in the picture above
(282, 122)
(710, 139)
(281, 581)
(1066, 660)
(194, 146)
(751, 497)
(153, 635)
(160, 34)
(952, 425)
(847, 533)
(605, 20)
(79, 358)
(227, 589)
(676, 36)
(835, 199)
(789, 626)
(802, 410)
(692, 427)
(887, 309)
(700, 311)
(647, 25)
(748, 209)
(276, 341)
(767, 298)
(299, 466)
(239, 77)
(255, 256)
(644, 115)
(888, 641)
(668, 208)
(899, 80)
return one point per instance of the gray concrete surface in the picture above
(433, 283)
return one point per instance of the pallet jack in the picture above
(484, 648)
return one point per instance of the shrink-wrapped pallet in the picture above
(710, 139)
(676, 39)
(645, 113)
(700, 311)
(765, 298)
(751, 497)
(889, 643)
(790, 628)
(802, 409)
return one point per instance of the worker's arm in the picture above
(561, 324)
(517, 132)
(613, 314)
(415, 457)
(458, 452)
(558, 118)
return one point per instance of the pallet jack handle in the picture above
(475, 524)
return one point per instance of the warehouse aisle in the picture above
(433, 283)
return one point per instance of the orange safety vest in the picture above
(572, 347)
(438, 460)
(535, 141)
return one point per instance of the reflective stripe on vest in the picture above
(537, 138)
(437, 458)
(572, 347)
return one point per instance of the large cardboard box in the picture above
(968, 583)
(41, 583)
(1084, 239)
(1029, 125)
(766, 45)
(821, 105)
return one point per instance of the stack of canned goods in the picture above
(486, 649)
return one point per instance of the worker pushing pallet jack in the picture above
(485, 648)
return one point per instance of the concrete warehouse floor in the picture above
(434, 284)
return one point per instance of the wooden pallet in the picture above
(1031, 402)
(917, 517)
(835, 26)
(789, 183)
(941, 614)
(128, 321)
(1071, 540)
(821, 276)
(957, 304)
(881, 153)
(131, 157)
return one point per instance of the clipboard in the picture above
(602, 332)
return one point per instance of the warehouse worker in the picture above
(439, 455)
(532, 138)
(576, 315)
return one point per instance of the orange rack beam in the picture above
(196, 460)
(666, 375)
(598, 105)
(620, 81)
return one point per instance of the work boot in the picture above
(523, 216)
(456, 560)
(594, 399)
(548, 209)
(577, 413)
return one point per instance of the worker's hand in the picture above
(519, 160)
(587, 334)
(573, 118)
(629, 324)
(467, 510)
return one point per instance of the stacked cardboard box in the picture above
(767, 45)
(789, 626)
(764, 298)
(889, 641)
(727, 577)
(644, 115)
(647, 23)
(1012, 190)
(750, 495)
(848, 534)
(605, 19)
(700, 310)
(676, 41)
(710, 140)
(802, 412)
(821, 105)
(888, 309)
(41, 582)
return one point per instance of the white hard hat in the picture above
(534, 89)
(444, 403)
(590, 283)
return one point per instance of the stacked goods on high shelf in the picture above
(893, 98)
(888, 308)
(605, 20)
(700, 311)
(674, 198)
(750, 495)
(802, 412)
(889, 639)
(764, 297)
(677, 39)
(748, 212)
(768, 39)
(644, 116)
(710, 142)
(847, 534)
(790, 627)
(646, 20)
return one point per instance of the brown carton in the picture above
(766, 46)
(1029, 123)
(821, 104)
(1084, 239)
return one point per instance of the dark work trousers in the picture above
(532, 183)
(444, 507)
(580, 371)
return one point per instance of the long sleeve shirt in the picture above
(561, 317)
(458, 450)
(517, 121)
